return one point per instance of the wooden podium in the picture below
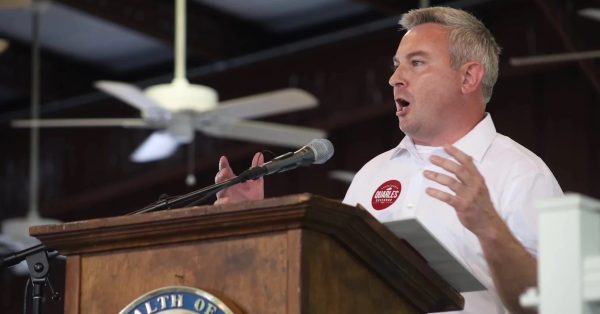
(293, 254)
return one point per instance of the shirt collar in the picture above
(475, 143)
(406, 146)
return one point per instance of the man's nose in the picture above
(397, 78)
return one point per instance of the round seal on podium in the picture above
(177, 300)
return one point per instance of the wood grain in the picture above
(253, 253)
(73, 284)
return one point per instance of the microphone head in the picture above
(322, 148)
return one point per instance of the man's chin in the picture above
(404, 126)
(410, 130)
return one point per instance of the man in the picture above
(470, 186)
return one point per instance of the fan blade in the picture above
(75, 123)
(133, 96)
(592, 13)
(159, 145)
(262, 132)
(265, 104)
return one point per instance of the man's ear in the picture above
(472, 74)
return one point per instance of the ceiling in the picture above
(132, 39)
(83, 41)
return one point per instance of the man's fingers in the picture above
(221, 201)
(258, 159)
(223, 163)
(261, 159)
(445, 163)
(465, 160)
(443, 179)
(225, 172)
(222, 175)
(459, 155)
(442, 196)
(463, 168)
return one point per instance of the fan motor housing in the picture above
(182, 96)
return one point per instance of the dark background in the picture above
(553, 109)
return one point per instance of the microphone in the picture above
(316, 151)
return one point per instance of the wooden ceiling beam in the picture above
(559, 21)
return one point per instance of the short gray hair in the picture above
(469, 40)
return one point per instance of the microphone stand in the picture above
(37, 256)
(39, 268)
(199, 195)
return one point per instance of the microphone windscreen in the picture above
(322, 148)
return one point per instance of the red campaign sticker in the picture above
(386, 194)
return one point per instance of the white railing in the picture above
(569, 257)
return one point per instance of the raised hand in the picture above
(512, 267)
(471, 198)
(242, 192)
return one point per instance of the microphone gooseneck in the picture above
(317, 151)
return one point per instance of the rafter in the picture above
(558, 20)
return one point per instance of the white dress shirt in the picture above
(516, 178)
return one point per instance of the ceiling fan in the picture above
(178, 109)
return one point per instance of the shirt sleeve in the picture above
(519, 206)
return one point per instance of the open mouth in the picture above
(402, 103)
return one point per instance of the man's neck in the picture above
(450, 136)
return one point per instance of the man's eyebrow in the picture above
(418, 53)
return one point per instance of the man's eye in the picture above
(417, 62)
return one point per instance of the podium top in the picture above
(393, 259)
